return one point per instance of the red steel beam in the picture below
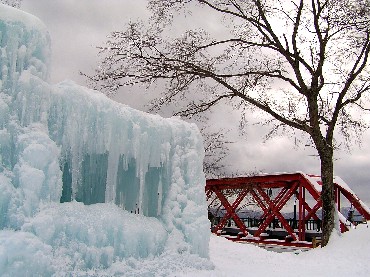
(231, 211)
(259, 202)
(354, 201)
(274, 209)
(312, 212)
(289, 184)
(300, 244)
(264, 181)
(257, 179)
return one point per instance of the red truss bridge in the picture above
(271, 194)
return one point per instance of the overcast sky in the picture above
(77, 27)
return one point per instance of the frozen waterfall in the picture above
(86, 182)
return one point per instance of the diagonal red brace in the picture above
(275, 211)
(231, 211)
(312, 212)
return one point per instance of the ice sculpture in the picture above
(84, 181)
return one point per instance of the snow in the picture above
(346, 255)
(10, 14)
(314, 180)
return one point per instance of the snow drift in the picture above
(86, 182)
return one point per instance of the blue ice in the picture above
(85, 182)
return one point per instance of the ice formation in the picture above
(86, 182)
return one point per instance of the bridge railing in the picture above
(250, 222)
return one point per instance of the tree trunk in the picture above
(327, 193)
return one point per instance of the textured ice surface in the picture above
(85, 182)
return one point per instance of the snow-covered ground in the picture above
(346, 255)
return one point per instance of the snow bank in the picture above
(345, 255)
(85, 181)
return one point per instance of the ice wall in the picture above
(65, 148)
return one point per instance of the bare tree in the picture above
(304, 63)
(12, 3)
(216, 150)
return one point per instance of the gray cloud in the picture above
(77, 27)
